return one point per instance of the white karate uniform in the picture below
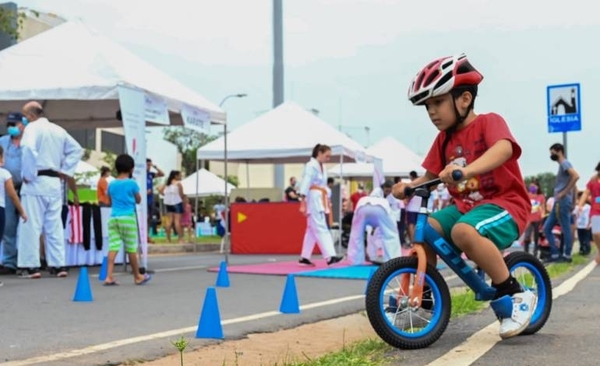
(375, 212)
(45, 146)
(316, 208)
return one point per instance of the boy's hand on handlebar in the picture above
(446, 174)
(398, 190)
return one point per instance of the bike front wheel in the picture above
(388, 307)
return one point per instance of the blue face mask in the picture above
(13, 131)
(25, 121)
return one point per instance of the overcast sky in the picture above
(352, 60)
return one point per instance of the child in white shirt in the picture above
(584, 232)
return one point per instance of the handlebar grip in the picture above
(457, 175)
(408, 191)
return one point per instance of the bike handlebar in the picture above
(457, 175)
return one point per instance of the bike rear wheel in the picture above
(393, 319)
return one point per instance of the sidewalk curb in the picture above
(182, 248)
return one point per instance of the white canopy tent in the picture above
(204, 183)
(75, 73)
(398, 161)
(86, 173)
(286, 134)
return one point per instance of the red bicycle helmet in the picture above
(441, 76)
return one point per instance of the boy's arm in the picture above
(108, 196)
(398, 188)
(138, 198)
(495, 156)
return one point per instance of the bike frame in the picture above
(425, 233)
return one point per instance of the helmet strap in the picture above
(460, 118)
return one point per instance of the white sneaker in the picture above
(523, 305)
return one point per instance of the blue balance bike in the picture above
(408, 302)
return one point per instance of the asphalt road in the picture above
(38, 318)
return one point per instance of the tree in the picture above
(187, 142)
(109, 158)
(11, 23)
(232, 179)
(546, 181)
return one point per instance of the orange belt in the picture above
(326, 202)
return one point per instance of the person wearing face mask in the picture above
(538, 211)
(11, 143)
(49, 155)
(563, 204)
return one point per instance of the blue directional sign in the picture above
(564, 108)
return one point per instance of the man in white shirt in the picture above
(49, 153)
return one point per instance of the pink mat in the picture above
(277, 268)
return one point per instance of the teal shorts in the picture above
(491, 221)
(122, 230)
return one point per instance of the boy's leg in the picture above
(482, 233)
(114, 245)
(129, 235)
(581, 240)
(112, 255)
(442, 221)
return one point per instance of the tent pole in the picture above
(248, 180)
(226, 236)
(340, 208)
(198, 164)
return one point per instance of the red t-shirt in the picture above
(537, 205)
(355, 197)
(503, 186)
(594, 187)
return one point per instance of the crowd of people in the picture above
(565, 214)
(39, 160)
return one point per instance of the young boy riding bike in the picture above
(491, 205)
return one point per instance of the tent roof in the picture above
(398, 161)
(209, 184)
(84, 167)
(286, 134)
(75, 72)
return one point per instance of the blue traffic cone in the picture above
(373, 270)
(103, 269)
(222, 276)
(83, 291)
(209, 325)
(289, 301)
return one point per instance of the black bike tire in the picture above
(376, 316)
